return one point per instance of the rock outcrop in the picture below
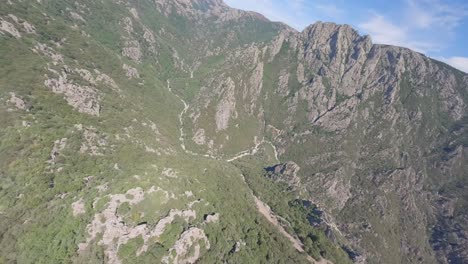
(83, 98)
(285, 172)
(17, 102)
(188, 248)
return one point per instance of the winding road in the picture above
(248, 152)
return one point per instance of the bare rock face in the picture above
(77, 17)
(254, 87)
(334, 56)
(78, 207)
(106, 80)
(127, 24)
(83, 98)
(449, 239)
(336, 49)
(199, 137)
(283, 82)
(116, 232)
(17, 102)
(101, 78)
(25, 26)
(212, 218)
(227, 105)
(132, 50)
(149, 36)
(7, 27)
(130, 72)
(285, 172)
(238, 246)
(30, 29)
(189, 247)
(45, 50)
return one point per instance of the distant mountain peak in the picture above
(204, 8)
(328, 29)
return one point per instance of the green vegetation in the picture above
(296, 215)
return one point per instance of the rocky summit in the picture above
(178, 131)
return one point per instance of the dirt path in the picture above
(265, 210)
(181, 124)
(254, 151)
(249, 152)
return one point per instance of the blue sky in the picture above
(437, 28)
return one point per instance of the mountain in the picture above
(177, 131)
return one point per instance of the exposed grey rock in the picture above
(116, 232)
(7, 27)
(199, 137)
(134, 13)
(130, 72)
(128, 25)
(226, 106)
(45, 50)
(78, 207)
(14, 18)
(132, 50)
(238, 246)
(285, 172)
(212, 218)
(18, 102)
(27, 27)
(148, 36)
(101, 78)
(277, 44)
(106, 79)
(283, 82)
(254, 87)
(189, 241)
(83, 98)
(77, 17)
(86, 75)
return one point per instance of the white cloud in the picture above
(426, 26)
(384, 31)
(297, 4)
(329, 10)
(434, 13)
(460, 63)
